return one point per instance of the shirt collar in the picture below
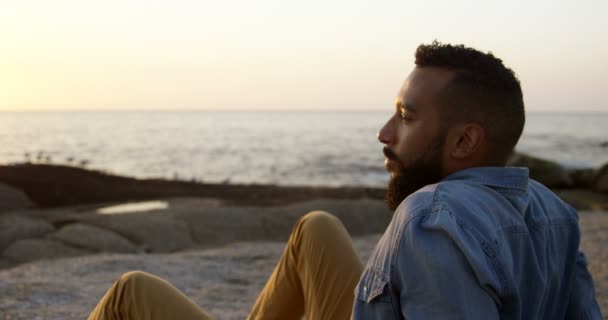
(505, 177)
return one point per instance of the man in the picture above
(469, 239)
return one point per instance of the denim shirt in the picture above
(483, 243)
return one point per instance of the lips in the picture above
(390, 164)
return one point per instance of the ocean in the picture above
(283, 148)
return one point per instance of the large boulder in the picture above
(360, 217)
(217, 226)
(35, 249)
(13, 199)
(93, 238)
(154, 232)
(18, 227)
(601, 179)
(549, 173)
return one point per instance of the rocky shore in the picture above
(63, 240)
(224, 280)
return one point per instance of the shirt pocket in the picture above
(373, 286)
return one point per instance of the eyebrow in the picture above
(407, 106)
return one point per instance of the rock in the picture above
(14, 227)
(217, 226)
(601, 179)
(360, 217)
(157, 232)
(549, 173)
(582, 178)
(36, 249)
(13, 199)
(4, 264)
(583, 199)
(93, 238)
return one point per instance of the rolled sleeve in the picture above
(436, 280)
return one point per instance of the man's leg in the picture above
(316, 275)
(139, 295)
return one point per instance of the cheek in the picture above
(411, 145)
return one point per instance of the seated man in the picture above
(469, 239)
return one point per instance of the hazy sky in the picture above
(285, 55)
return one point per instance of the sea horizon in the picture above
(316, 148)
(185, 110)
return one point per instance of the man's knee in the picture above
(319, 221)
(135, 277)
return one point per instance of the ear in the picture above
(467, 140)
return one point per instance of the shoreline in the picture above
(52, 186)
(56, 186)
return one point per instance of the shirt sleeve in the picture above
(435, 279)
(582, 304)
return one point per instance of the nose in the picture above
(386, 134)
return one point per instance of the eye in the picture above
(403, 115)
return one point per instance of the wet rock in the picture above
(549, 173)
(17, 227)
(93, 238)
(13, 199)
(36, 249)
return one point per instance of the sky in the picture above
(285, 55)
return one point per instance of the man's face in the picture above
(413, 136)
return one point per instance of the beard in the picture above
(408, 179)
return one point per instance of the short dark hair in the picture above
(482, 90)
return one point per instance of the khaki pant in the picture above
(316, 276)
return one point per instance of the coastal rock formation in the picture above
(601, 179)
(583, 178)
(93, 238)
(182, 225)
(13, 199)
(152, 231)
(549, 173)
(15, 227)
(58, 185)
(37, 249)
(583, 199)
(221, 225)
